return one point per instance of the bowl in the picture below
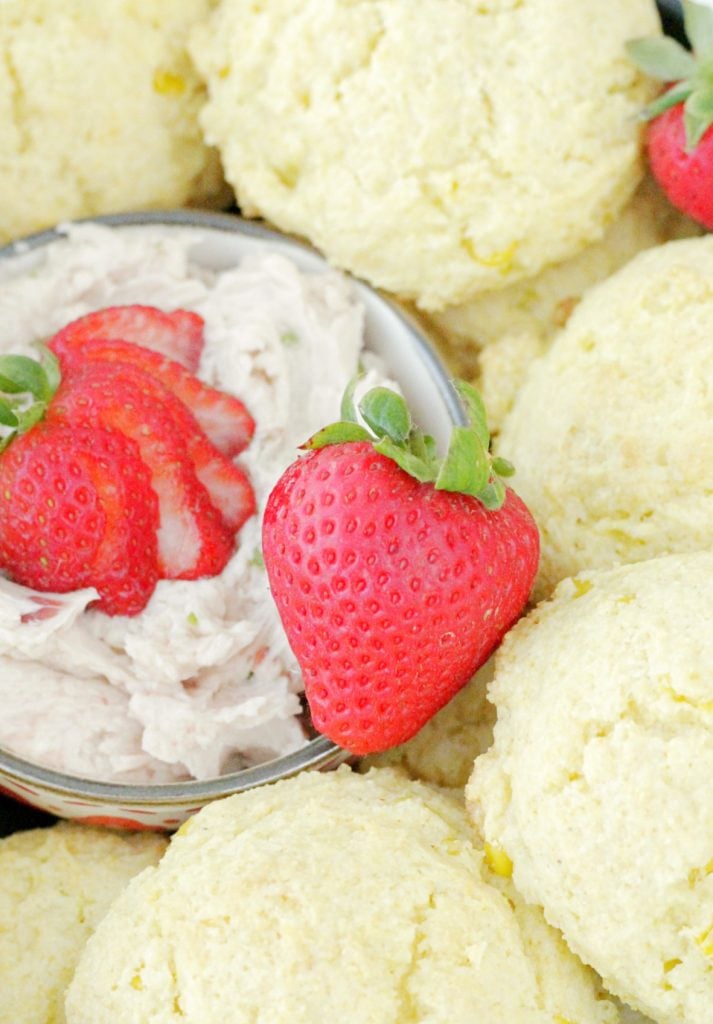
(222, 240)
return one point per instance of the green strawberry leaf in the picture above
(22, 376)
(474, 410)
(697, 116)
(503, 467)
(5, 441)
(424, 446)
(410, 463)
(386, 413)
(19, 374)
(676, 94)
(493, 495)
(466, 467)
(348, 409)
(662, 57)
(28, 417)
(10, 387)
(8, 417)
(337, 433)
(50, 364)
(666, 59)
(698, 23)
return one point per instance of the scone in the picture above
(323, 898)
(55, 886)
(434, 149)
(597, 787)
(493, 338)
(443, 751)
(99, 111)
(611, 433)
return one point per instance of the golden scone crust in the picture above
(99, 110)
(55, 886)
(611, 432)
(323, 898)
(543, 304)
(598, 785)
(443, 751)
(436, 149)
(493, 338)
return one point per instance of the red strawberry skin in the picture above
(125, 567)
(78, 510)
(178, 335)
(40, 472)
(391, 593)
(223, 417)
(228, 487)
(685, 177)
(193, 539)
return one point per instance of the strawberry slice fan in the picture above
(679, 136)
(395, 572)
(117, 463)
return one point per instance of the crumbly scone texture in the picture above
(323, 898)
(55, 886)
(597, 787)
(493, 339)
(99, 111)
(611, 431)
(443, 752)
(434, 151)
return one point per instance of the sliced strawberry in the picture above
(125, 567)
(227, 485)
(78, 511)
(51, 518)
(224, 418)
(177, 335)
(193, 540)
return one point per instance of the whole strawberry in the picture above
(680, 134)
(395, 573)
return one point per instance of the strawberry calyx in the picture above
(666, 59)
(26, 389)
(382, 418)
